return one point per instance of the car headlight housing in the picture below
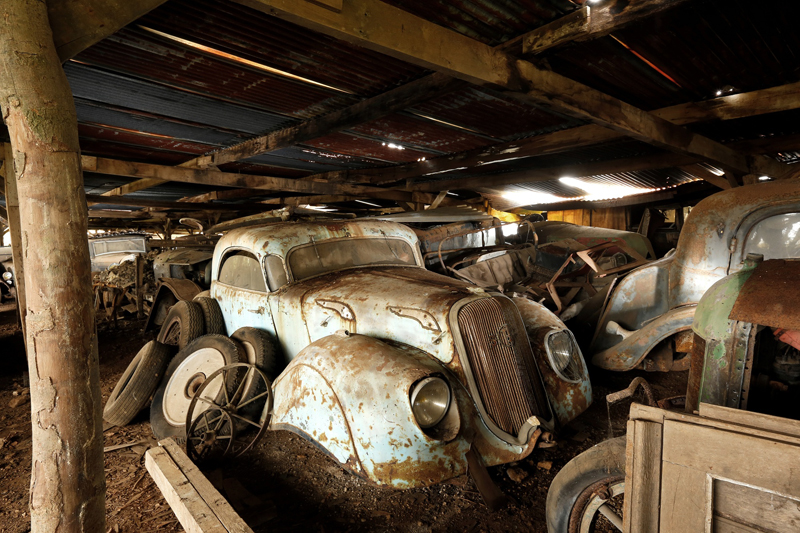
(430, 400)
(7, 275)
(564, 355)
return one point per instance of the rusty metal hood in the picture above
(407, 305)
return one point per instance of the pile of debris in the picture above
(115, 289)
(124, 274)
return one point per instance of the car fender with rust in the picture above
(170, 292)
(568, 399)
(349, 395)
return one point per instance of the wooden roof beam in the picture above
(390, 30)
(244, 181)
(78, 24)
(591, 22)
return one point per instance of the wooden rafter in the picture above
(94, 199)
(390, 30)
(78, 24)
(591, 22)
(247, 181)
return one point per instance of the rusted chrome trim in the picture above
(550, 356)
(533, 422)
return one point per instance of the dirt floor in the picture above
(284, 483)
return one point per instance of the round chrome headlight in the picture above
(564, 355)
(430, 400)
(7, 275)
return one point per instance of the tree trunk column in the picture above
(67, 481)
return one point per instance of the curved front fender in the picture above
(350, 395)
(567, 399)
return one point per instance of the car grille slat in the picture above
(502, 363)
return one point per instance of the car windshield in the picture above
(329, 256)
(119, 245)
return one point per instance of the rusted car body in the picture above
(747, 340)
(363, 327)
(656, 303)
(110, 250)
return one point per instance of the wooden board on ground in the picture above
(199, 507)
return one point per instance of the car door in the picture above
(241, 291)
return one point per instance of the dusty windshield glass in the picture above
(329, 256)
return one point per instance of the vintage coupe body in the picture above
(396, 372)
(654, 305)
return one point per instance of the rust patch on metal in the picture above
(769, 297)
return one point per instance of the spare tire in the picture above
(187, 371)
(212, 315)
(259, 349)
(140, 379)
(183, 324)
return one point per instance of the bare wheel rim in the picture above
(598, 504)
(188, 380)
(252, 427)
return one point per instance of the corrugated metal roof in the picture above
(193, 76)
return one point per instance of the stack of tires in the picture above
(191, 345)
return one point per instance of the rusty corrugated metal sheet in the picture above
(250, 34)
(491, 113)
(135, 52)
(705, 46)
(489, 21)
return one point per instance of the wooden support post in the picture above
(139, 289)
(12, 207)
(67, 479)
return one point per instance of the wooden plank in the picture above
(183, 206)
(762, 461)
(192, 511)
(248, 181)
(78, 24)
(216, 502)
(683, 499)
(138, 185)
(378, 106)
(777, 424)
(643, 480)
(591, 22)
(390, 30)
(747, 507)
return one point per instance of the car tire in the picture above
(186, 372)
(259, 350)
(212, 316)
(183, 324)
(572, 500)
(137, 383)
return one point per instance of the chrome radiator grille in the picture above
(502, 363)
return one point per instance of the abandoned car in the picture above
(647, 318)
(107, 250)
(747, 357)
(397, 373)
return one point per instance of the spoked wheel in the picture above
(241, 417)
(599, 507)
(210, 436)
(587, 494)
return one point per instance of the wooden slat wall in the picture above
(611, 217)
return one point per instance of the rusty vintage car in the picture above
(647, 318)
(401, 375)
(746, 357)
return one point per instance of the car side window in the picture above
(241, 269)
(276, 273)
(776, 237)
